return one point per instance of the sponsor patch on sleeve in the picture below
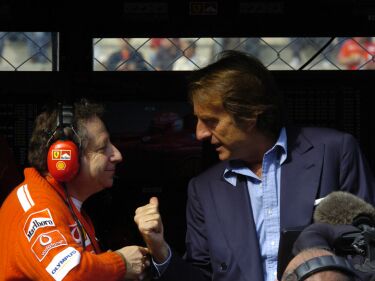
(63, 262)
(74, 231)
(47, 241)
(37, 220)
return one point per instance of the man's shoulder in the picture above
(317, 134)
(316, 130)
(30, 206)
(334, 141)
(31, 194)
(214, 172)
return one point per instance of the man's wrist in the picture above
(124, 260)
(323, 263)
(161, 267)
(162, 254)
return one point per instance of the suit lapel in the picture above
(235, 214)
(300, 177)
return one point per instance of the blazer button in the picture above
(223, 266)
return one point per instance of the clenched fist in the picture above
(136, 260)
(150, 226)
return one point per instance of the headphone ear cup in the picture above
(63, 160)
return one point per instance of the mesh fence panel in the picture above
(281, 53)
(25, 51)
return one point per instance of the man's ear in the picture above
(250, 125)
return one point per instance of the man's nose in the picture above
(202, 132)
(116, 155)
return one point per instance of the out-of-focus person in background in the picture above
(357, 53)
(126, 59)
(189, 59)
(166, 54)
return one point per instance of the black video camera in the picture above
(361, 243)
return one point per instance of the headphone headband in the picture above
(65, 119)
(65, 116)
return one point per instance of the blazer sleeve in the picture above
(195, 265)
(355, 173)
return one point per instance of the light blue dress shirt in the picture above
(265, 201)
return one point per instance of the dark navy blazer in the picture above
(221, 240)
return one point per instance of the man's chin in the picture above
(223, 156)
(108, 184)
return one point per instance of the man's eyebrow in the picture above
(209, 119)
(205, 116)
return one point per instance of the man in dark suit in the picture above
(270, 177)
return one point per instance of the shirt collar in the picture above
(235, 167)
(282, 144)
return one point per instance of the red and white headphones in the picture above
(63, 153)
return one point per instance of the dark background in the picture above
(162, 163)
